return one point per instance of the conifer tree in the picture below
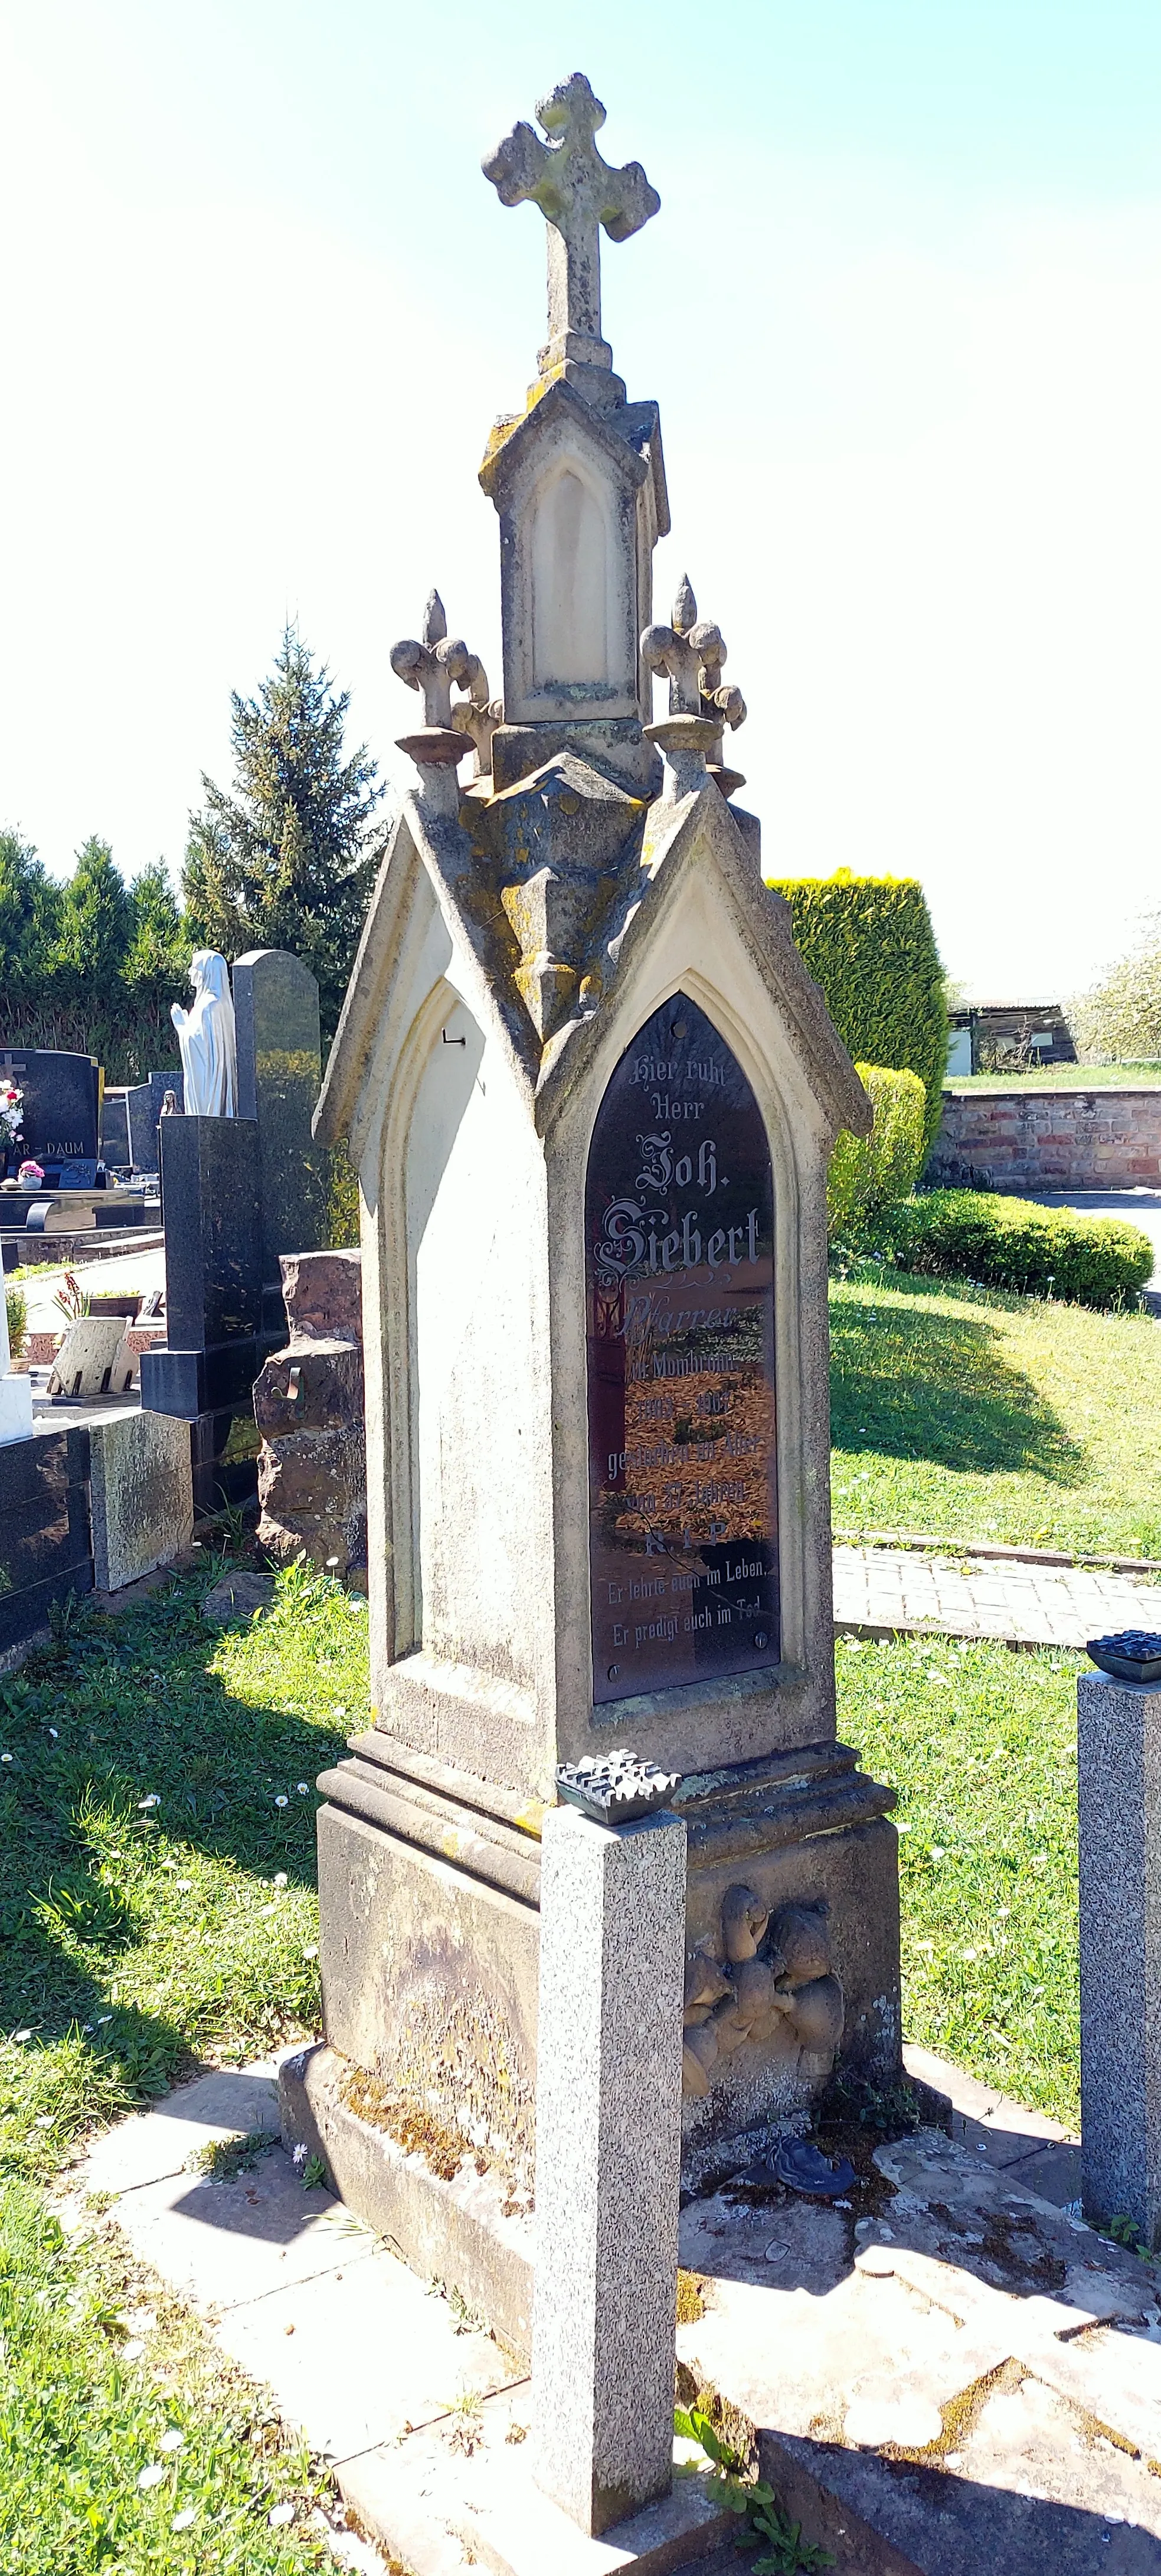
(287, 859)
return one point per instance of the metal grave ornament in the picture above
(679, 1245)
(617, 1790)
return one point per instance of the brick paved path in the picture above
(880, 1591)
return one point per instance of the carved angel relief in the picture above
(777, 1982)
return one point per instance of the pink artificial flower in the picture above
(31, 1172)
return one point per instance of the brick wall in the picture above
(1048, 1140)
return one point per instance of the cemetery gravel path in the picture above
(1025, 1601)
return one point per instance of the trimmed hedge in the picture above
(867, 1172)
(1013, 1243)
(869, 942)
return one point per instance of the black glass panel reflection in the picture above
(679, 1250)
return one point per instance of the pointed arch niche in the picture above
(572, 566)
(679, 1277)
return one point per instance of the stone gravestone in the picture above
(114, 1139)
(173, 1080)
(206, 1369)
(591, 1093)
(308, 1405)
(60, 1110)
(279, 1073)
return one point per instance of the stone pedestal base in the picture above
(452, 2229)
(429, 1951)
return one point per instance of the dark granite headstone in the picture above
(141, 1122)
(60, 1104)
(679, 1244)
(115, 1131)
(213, 1271)
(159, 1084)
(279, 1078)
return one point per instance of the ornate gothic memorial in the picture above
(679, 1242)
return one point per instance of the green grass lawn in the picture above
(1144, 1076)
(157, 1905)
(967, 1414)
(981, 1745)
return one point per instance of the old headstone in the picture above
(141, 1493)
(170, 1079)
(1119, 1786)
(114, 1138)
(308, 1404)
(591, 1093)
(279, 1073)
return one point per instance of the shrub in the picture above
(17, 1306)
(869, 942)
(1012, 1243)
(866, 1172)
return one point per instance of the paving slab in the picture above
(432, 2499)
(966, 2378)
(155, 2143)
(1046, 2155)
(222, 2244)
(356, 2356)
(882, 1591)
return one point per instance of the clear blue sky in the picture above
(901, 309)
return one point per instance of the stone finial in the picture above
(690, 653)
(577, 192)
(434, 664)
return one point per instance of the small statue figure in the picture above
(206, 1040)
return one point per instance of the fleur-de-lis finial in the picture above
(690, 653)
(434, 663)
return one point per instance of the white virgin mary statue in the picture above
(205, 1037)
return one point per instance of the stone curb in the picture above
(902, 1539)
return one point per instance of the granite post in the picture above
(608, 2162)
(1119, 1761)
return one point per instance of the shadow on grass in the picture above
(118, 1712)
(907, 1383)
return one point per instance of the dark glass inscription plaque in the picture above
(679, 1249)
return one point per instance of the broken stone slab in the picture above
(980, 2385)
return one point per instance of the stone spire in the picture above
(577, 192)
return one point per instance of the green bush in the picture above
(869, 942)
(866, 1172)
(1012, 1243)
(17, 1305)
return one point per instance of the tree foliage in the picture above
(1119, 1022)
(91, 965)
(287, 859)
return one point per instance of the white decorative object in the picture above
(15, 1392)
(206, 1040)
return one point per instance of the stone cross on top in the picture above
(576, 192)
